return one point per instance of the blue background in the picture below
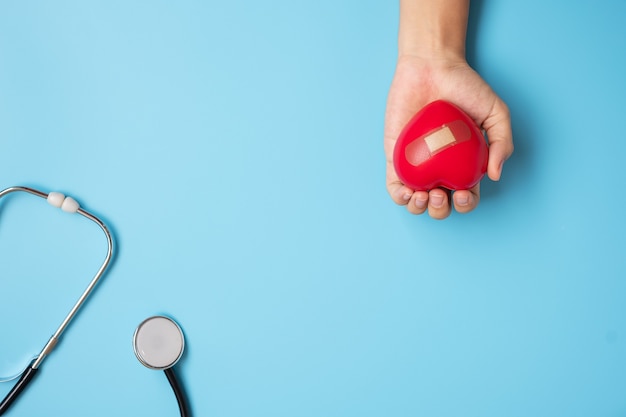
(235, 149)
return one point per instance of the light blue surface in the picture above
(235, 149)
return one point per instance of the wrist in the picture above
(433, 29)
(442, 57)
(434, 61)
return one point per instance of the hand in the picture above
(417, 82)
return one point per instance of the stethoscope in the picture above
(158, 341)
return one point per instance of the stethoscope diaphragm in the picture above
(158, 342)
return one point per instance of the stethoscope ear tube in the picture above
(26, 377)
(69, 205)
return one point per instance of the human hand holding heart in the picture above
(418, 82)
(432, 66)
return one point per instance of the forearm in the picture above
(433, 29)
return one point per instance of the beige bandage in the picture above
(439, 139)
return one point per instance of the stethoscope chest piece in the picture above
(158, 342)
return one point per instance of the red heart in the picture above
(441, 146)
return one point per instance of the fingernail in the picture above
(436, 200)
(403, 196)
(500, 169)
(420, 202)
(462, 201)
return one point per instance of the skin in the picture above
(431, 65)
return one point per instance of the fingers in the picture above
(439, 204)
(399, 193)
(466, 200)
(418, 203)
(498, 128)
(436, 202)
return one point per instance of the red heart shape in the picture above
(441, 146)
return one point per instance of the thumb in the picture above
(500, 137)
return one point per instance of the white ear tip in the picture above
(56, 199)
(70, 205)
